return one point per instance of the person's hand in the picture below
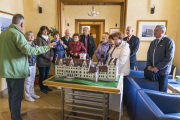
(150, 68)
(61, 41)
(76, 54)
(51, 58)
(155, 70)
(65, 46)
(29, 57)
(51, 45)
(36, 46)
(71, 52)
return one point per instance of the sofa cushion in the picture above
(146, 84)
(174, 114)
(137, 73)
(141, 65)
(167, 103)
(170, 77)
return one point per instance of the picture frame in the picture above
(5, 20)
(113, 30)
(145, 28)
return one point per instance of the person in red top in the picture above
(76, 47)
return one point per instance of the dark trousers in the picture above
(132, 66)
(43, 73)
(163, 83)
(15, 96)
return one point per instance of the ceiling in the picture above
(92, 2)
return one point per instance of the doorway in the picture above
(94, 31)
(96, 26)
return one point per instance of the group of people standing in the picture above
(111, 46)
(18, 56)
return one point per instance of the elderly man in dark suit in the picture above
(133, 45)
(160, 56)
(67, 39)
(88, 41)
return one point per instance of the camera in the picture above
(102, 55)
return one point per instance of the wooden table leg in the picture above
(121, 104)
(62, 102)
(107, 105)
(104, 106)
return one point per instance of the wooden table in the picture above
(174, 85)
(105, 91)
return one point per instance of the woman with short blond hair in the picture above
(29, 81)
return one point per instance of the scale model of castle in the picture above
(82, 68)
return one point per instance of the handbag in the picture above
(151, 75)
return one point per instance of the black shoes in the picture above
(23, 114)
(48, 89)
(44, 91)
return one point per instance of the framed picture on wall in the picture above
(5, 20)
(145, 28)
(113, 30)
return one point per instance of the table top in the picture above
(84, 84)
(174, 84)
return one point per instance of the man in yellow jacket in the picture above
(14, 66)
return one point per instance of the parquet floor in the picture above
(48, 107)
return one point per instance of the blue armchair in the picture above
(131, 87)
(154, 105)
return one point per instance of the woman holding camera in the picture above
(101, 52)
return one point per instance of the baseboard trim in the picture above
(3, 93)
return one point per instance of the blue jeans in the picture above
(132, 66)
(43, 73)
(15, 96)
(163, 83)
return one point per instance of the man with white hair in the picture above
(133, 45)
(14, 65)
(67, 39)
(160, 56)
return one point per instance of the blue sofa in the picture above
(143, 101)
(141, 65)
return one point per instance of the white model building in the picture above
(81, 68)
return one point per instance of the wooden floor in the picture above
(46, 108)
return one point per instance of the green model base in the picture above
(85, 81)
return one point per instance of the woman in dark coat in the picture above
(44, 60)
(76, 47)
